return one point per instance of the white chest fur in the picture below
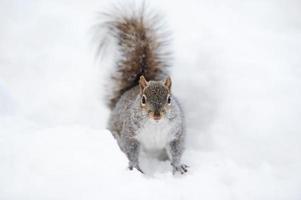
(155, 135)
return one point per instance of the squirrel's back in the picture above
(141, 43)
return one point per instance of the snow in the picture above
(236, 71)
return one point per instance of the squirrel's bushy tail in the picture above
(142, 45)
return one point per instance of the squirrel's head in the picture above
(155, 97)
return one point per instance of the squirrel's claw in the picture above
(180, 168)
(137, 167)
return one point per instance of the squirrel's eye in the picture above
(143, 100)
(168, 100)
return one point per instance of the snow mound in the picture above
(236, 71)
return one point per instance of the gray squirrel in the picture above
(145, 115)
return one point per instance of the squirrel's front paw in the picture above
(182, 168)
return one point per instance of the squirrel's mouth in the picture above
(156, 116)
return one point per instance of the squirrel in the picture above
(145, 115)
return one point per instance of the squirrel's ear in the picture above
(167, 82)
(142, 83)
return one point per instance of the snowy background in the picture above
(237, 71)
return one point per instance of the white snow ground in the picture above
(237, 71)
